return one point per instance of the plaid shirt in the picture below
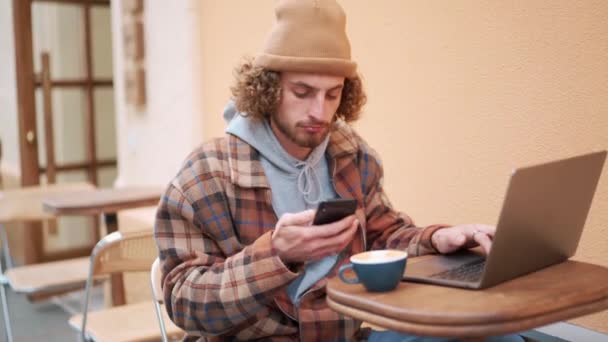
(221, 277)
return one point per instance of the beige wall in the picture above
(153, 141)
(460, 92)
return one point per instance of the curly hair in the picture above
(257, 92)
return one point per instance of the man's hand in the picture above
(451, 239)
(297, 240)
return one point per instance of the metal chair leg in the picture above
(5, 249)
(157, 303)
(87, 298)
(161, 323)
(3, 283)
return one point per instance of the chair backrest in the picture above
(25, 204)
(124, 252)
(116, 253)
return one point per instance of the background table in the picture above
(105, 202)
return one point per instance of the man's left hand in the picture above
(463, 236)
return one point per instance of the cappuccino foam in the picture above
(378, 256)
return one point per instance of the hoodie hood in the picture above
(308, 179)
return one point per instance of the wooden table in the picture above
(104, 202)
(556, 293)
(25, 205)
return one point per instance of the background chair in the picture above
(118, 253)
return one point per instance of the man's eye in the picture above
(332, 96)
(300, 95)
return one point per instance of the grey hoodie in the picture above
(296, 184)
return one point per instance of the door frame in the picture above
(27, 81)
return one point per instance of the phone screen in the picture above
(334, 210)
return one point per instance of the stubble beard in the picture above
(303, 140)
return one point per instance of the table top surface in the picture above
(558, 292)
(102, 200)
(25, 204)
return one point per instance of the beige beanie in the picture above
(308, 36)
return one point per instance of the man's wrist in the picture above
(291, 265)
(432, 240)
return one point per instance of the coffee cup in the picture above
(378, 270)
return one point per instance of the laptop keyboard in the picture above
(468, 272)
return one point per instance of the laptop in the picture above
(540, 224)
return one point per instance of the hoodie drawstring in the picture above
(308, 182)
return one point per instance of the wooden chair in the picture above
(118, 253)
(37, 280)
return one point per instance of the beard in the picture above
(301, 137)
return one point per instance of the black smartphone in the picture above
(334, 210)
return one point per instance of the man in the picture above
(240, 257)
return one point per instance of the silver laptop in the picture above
(540, 224)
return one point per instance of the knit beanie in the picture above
(308, 36)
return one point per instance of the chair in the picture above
(118, 253)
(23, 205)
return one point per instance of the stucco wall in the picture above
(460, 93)
(153, 141)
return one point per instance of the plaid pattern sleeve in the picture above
(386, 227)
(213, 283)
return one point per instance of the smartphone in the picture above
(334, 210)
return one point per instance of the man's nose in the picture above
(317, 108)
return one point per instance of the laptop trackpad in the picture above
(438, 263)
